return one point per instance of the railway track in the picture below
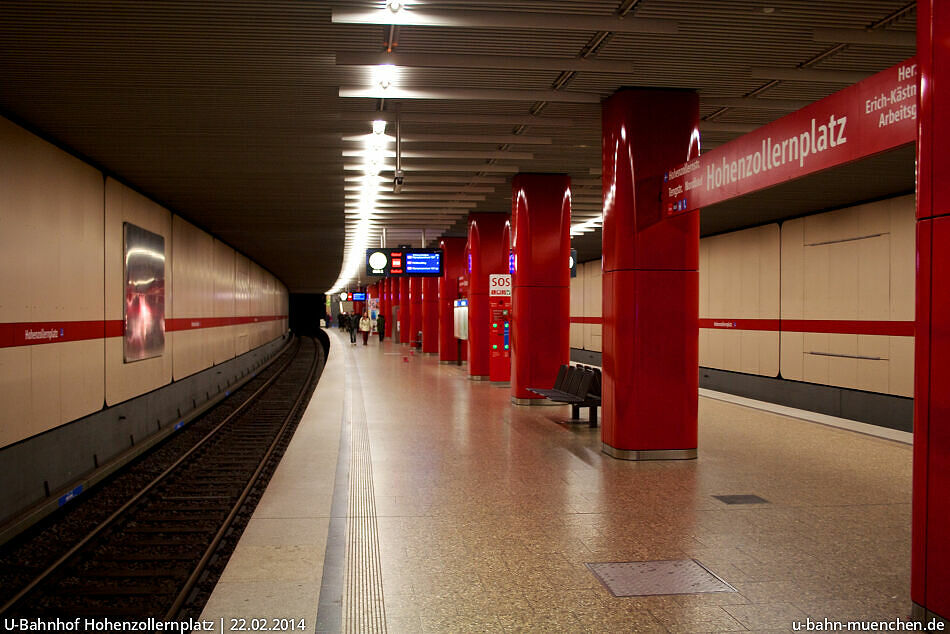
(148, 557)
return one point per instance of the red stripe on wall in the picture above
(196, 323)
(828, 326)
(860, 327)
(587, 320)
(37, 332)
(740, 324)
(40, 332)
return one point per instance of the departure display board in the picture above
(404, 262)
(424, 262)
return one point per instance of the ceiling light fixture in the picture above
(395, 6)
(357, 234)
(385, 75)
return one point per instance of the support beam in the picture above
(461, 119)
(514, 139)
(449, 154)
(503, 20)
(468, 94)
(873, 38)
(499, 62)
(423, 178)
(754, 103)
(442, 167)
(457, 197)
(807, 74)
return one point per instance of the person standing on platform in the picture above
(351, 325)
(381, 327)
(365, 326)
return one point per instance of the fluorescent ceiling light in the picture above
(384, 75)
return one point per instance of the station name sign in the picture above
(872, 116)
(404, 262)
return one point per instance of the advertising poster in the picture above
(144, 307)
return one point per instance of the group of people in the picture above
(352, 323)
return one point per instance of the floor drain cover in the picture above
(741, 499)
(643, 578)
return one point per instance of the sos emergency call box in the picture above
(499, 333)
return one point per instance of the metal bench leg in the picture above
(592, 417)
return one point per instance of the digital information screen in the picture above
(424, 262)
(399, 262)
(358, 297)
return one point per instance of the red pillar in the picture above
(487, 255)
(930, 552)
(415, 308)
(541, 284)
(453, 254)
(650, 280)
(403, 310)
(390, 302)
(381, 294)
(430, 315)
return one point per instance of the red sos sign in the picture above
(499, 285)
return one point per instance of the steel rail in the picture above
(252, 482)
(138, 496)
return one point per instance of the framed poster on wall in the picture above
(143, 311)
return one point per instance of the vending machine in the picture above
(499, 333)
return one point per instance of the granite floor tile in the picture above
(487, 513)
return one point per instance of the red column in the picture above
(651, 279)
(380, 294)
(415, 308)
(403, 310)
(430, 315)
(487, 255)
(541, 284)
(453, 250)
(390, 302)
(930, 553)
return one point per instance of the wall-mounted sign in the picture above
(402, 261)
(427, 262)
(144, 308)
(358, 297)
(499, 285)
(573, 262)
(460, 319)
(384, 262)
(872, 116)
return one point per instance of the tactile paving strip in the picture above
(364, 608)
(644, 578)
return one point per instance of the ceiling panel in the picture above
(228, 112)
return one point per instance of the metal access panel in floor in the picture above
(644, 578)
(741, 499)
